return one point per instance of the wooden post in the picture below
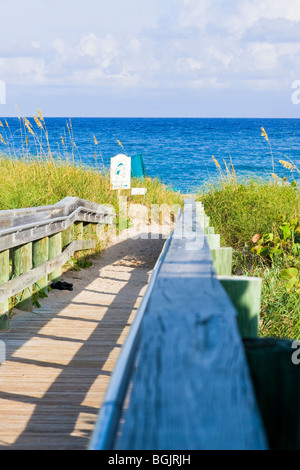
(213, 241)
(203, 221)
(55, 249)
(222, 260)
(245, 294)
(93, 231)
(4, 276)
(68, 236)
(79, 230)
(275, 377)
(21, 264)
(123, 213)
(40, 251)
(87, 231)
(209, 230)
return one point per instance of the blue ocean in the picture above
(178, 151)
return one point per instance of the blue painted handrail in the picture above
(104, 434)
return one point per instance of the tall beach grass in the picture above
(44, 175)
(260, 219)
(35, 182)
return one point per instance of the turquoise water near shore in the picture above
(176, 150)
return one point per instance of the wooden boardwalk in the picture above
(59, 358)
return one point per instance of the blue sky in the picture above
(177, 58)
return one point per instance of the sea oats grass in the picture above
(249, 210)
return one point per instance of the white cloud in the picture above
(102, 61)
(262, 85)
(102, 50)
(265, 56)
(188, 64)
(204, 44)
(23, 70)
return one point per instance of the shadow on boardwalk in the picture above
(59, 360)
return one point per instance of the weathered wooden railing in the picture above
(182, 380)
(36, 242)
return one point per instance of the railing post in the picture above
(40, 251)
(68, 236)
(222, 260)
(79, 230)
(87, 230)
(245, 294)
(55, 249)
(4, 276)
(21, 264)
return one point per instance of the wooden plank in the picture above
(213, 240)
(222, 260)
(17, 217)
(111, 410)
(191, 388)
(276, 379)
(60, 357)
(204, 221)
(209, 231)
(79, 230)
(68, 236)
(245, 294)
(43, 218)
(14, 286)
(54, 250)
(21, 226)
(22, 264)
(4, 276)
(87, 231)
(40, 253)
(35, 232)
(71, 203)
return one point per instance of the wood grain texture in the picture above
(245, 294)
(15, 217)
(54, 250)
(60, 357)
(40, 254)
(21, 266)
(20, 226)
(4, 276)
(34, 235)
(191, 388)
(18, 284)
(222, 260)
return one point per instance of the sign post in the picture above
(120, 172)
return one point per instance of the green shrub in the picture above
(261, 221)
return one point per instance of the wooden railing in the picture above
(36, 242)
(182, 380)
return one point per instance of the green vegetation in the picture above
(260, 220)
(34, 182)
(242, 210)
(48, 176)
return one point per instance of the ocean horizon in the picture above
(178, 151)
